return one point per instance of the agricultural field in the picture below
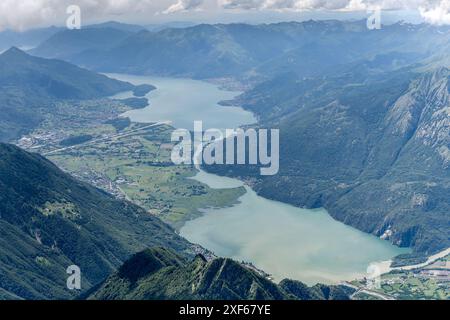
(137, 167)
(412, 285)
(431, 282)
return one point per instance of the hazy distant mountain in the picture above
(67, 44)
(29, 85)
(116, 25)
(49, 221)
(333, 47)
(309, 48)
(162, 274)
(26, 39)
(202, 51)
(54, 78)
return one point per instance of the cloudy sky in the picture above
(26, 14)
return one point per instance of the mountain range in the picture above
(243, 51)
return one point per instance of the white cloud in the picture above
(301, 5)
(433, 11)
(241, 4)
(437, 14)
(183, 5)
(23, 14)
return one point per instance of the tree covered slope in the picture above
(158, 273)
(49, 221)
(29, 86)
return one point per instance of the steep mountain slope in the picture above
(53, 78)
(159, 273)
(29, 86)
(69, 43)
(25, 39)
(200, 51)
(49, 221)
(372, 148)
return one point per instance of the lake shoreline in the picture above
(293, 239)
